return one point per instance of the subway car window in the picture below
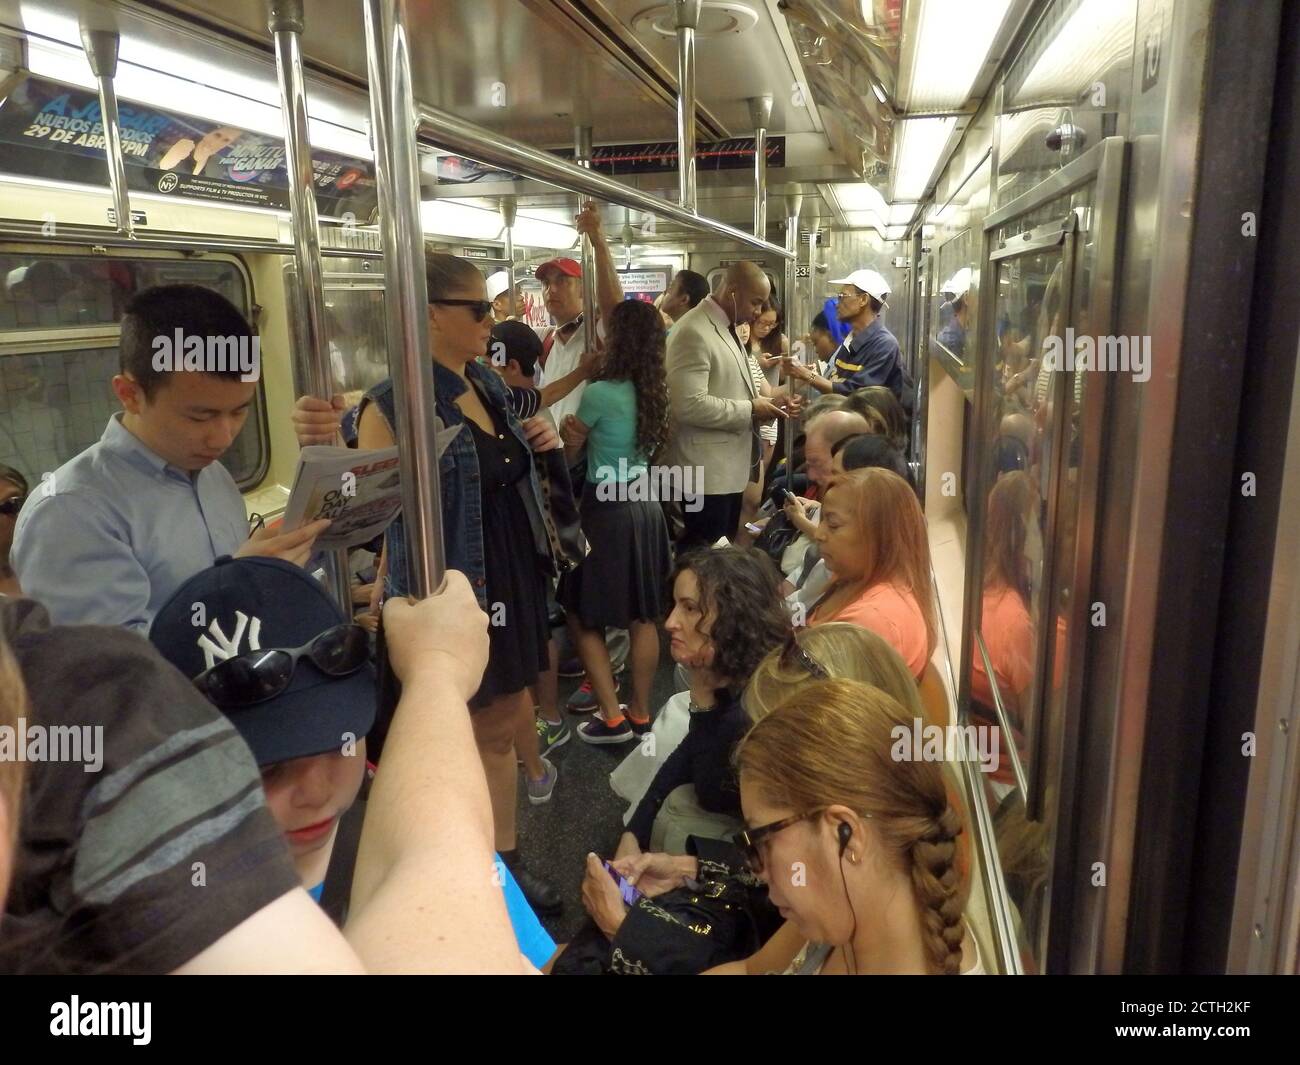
(58, 319)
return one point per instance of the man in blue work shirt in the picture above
(869, 355)
(109, 536)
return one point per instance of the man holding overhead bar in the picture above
(110, 535)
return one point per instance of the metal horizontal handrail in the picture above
(109, 237)
(444, 130)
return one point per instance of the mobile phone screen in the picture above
(630, 894)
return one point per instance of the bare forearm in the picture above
(609, 293)
(424, 895)
(557, 390)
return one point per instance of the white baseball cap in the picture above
(957, 285)
(497, 283)
(868, 281)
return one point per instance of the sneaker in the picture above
(552, 734)
(584, 701)
(540, 791)
(596, 731)
(639, 728)
(570, 667)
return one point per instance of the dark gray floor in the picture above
(584, 814)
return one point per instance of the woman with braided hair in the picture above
(856, 845)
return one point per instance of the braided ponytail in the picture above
(938, 891)
(831, 743)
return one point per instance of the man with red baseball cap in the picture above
(561, 280)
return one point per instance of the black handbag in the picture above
(563, 522)
(776, 536)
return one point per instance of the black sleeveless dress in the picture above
(519, 628)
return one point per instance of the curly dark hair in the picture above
(740, 588)
(634, 351)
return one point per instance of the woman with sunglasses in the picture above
(858, 847)
(494, 531)
(13, 493)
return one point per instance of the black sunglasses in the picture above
(257, 676)
(749, 839)
(480, 309)
(10, 507)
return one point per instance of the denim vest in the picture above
(458, 478)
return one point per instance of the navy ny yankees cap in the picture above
(241, 606)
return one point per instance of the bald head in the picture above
(745, 289)
(822, 434)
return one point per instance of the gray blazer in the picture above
(711, 392)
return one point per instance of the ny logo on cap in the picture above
(226, 648)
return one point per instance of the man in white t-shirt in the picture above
(561, 279)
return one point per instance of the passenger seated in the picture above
(652, 941)
(309, 736)
(880, 400)
(13, 492)
(872, 537)
(726, 616)
(181, 867)
(875, 837)
(113, 532)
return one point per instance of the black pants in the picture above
(719, 516)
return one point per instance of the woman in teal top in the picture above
(623, 423)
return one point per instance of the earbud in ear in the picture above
(846, 834)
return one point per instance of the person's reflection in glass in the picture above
(1005, 621)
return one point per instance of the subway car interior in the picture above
(1078, 211)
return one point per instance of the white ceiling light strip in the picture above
(953, 42)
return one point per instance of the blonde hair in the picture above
(13, 705)
(830, 744)
(841, 650)
(892, 526)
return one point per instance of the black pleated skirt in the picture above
(624, 577)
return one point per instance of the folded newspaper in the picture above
(360, 490)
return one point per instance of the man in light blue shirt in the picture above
(111, 534)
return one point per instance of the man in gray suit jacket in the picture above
(715, 403)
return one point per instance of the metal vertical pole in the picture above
(793, 207)
(582, 155)
(393, 124)
(311, 361)
(509, 208)
(760, 114)
(688, 18)
(101, 52)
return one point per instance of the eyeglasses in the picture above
(10, 507)
(795, 653)
(256, 676)
(849, 296)
(480, 309)
(749, 839)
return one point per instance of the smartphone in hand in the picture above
(628, 891)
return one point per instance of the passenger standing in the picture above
(684, 294)
(873, 539)
(113, 532)
(715, 404)
(507, 305)
(561, 278)
(870, 356)
(13, 491)
(494, 530)
(623, 422)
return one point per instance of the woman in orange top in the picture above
(873, 539)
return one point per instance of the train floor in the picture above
(584, 813)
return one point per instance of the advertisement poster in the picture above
(659, 157)
(53, 131)
(645, 285)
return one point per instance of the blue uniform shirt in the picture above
(870, 358)
(117, 530)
